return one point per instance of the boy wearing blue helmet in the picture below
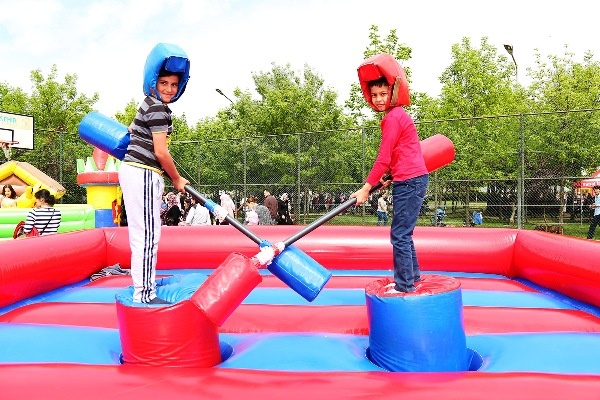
(147, 158)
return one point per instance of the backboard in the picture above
(17, 127)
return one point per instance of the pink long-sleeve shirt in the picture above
(400, 149)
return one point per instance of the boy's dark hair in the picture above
(163, 72)
(596, 187)
(379, 82)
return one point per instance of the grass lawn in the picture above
(575, 229)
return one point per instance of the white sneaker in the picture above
(390, 288)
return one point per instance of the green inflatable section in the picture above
(74, 217)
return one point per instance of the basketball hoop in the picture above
(6, 147)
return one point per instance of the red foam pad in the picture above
(428, 285)
(227, 287)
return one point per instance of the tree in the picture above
(57, 109)
(476, 86)
(260, 138)
(564, 142)
(560, 86)
(12, 100)
(127, 116)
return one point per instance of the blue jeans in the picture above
(408, 198)
(595, 222)
(382, 217)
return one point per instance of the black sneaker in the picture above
(158, 300)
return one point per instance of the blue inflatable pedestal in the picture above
(421, 331)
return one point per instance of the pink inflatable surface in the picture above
(530, 312)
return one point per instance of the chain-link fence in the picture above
(517, 170)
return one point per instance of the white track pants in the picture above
(142, 194)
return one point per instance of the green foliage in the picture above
(126, 117)
(12, 100)
(477, 84)
(560, 85)
(265, 131)
(289, 130)
(57, 109)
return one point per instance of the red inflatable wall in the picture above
(569, 265)
(33, 266)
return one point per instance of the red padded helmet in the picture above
(384, 65)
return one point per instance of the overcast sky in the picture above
(105, 42)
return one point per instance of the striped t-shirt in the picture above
(153, 116)
(45, 219)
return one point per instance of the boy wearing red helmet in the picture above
(385, 88)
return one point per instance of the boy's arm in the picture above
(362, 194)
(166, 161)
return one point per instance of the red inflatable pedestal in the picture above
(185, 334)
(179, 336)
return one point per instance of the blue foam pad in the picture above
(284, 296)
(105, 133)
(551, 352)
(300, 272)
(55, 343)
(173, 289)
(299, 352)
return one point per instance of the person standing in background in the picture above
(596, 217)
(382, 212)
(197, 215)
(271, 203)
(44, 216)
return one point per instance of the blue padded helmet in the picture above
(171, 58)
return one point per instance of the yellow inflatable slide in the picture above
(26, 180)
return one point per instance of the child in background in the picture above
(8, 197)
(251, 217)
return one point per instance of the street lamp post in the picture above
(223, 94)
(245, 145)
(521, 175)
(509, 50)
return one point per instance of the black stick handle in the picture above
(239, 226)
(326, 217)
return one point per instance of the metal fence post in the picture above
(363, 160)
(245, 165)
(521, 175)
(298, 184)
(60, 159)
(198, 166)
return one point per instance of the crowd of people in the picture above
(178, 209)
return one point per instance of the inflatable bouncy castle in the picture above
(99, 176)
(26, 180)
